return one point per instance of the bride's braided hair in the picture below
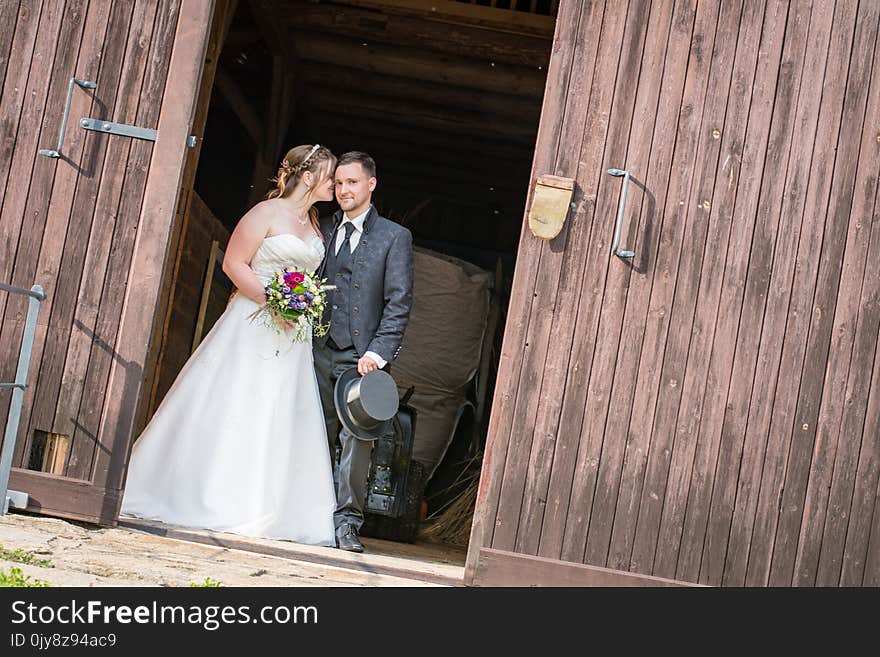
(299, 159)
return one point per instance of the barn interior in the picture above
(446, 96)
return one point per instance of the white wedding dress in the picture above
(239, 442)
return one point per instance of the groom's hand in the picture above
(366, 365)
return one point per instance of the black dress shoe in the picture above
(348, 540)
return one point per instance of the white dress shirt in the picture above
(358, 223)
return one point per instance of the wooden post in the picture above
(221, 22)
(206, 292)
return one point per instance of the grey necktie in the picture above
(345, 247)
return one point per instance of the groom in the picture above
(370, 261)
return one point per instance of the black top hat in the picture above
(366, 404)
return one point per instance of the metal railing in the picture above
(15, 498)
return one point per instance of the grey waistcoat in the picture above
(378, 294)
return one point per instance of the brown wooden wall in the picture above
(709, 411)
(72, 224)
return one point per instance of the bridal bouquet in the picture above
(298, 297)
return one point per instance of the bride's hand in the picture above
(284, 323)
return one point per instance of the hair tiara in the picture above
(289, 169)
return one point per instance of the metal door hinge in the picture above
(124, 130)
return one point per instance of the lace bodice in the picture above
(287, 250)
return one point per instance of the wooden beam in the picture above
(280, 106)
(491, 105)
(434, 175)
(456, 157)
(239, 103)
(445, 11)
(241, 37)
(411, 113)
(265, 14)
(330, 124)
(416, 63)
(393, 179)
(374, 25)
(277, 121)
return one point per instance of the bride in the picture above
(239, 442)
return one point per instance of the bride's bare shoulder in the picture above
(269, 206)
(261, 213)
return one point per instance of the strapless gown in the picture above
(239, 443)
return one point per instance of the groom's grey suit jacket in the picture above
(381, 283)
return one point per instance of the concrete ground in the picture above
(139, 553)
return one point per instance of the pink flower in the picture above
(296, 278)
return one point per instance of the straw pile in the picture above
(452, 522)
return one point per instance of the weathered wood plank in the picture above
(533, 351)
(864, 504)
(528, 257)
(680, 383)
(107, 462)
(796, 505)
(61, 239)
(845, 518)
(773, 105)
(60, 377)
(872, 561)
(8, 20)
(182, 67)
(655, 242)
(42, 242)
(572, 481)
(18, 66)
(722, 475)
(21, 113)
(707, 374)
(793, 339)
(664, 304)
(27, 172)
(579, 224)
(85, 337)
(774, 233)
(829, 488)
(628, 146)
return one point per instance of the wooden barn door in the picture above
(90, 226)
(706, 410)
